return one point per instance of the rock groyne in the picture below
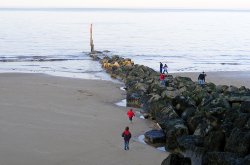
(212, 121)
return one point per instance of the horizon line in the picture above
(120, 8)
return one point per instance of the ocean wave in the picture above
(42, 58)
(230, 63)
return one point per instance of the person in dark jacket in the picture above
(201, 79)
(126, 136)
(161, 67)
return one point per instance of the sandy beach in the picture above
(62, 121)
(236, 78)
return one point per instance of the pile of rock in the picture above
(213, 121)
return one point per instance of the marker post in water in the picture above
(91, 39)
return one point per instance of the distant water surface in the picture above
(57, 41)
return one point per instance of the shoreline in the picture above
(109, 101)
(185, 110)
(236, 78)
(50, 120)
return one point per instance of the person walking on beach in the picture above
(161, 66)
(126, 136)
(130, 114)
(165, 69)
(201, 79)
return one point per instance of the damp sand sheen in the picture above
(53, 120)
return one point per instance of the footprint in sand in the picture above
(85, 92)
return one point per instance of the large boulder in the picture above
(198, 95)
(232, 89)
(167, 113)
(241, 121)
(154, 106)
(215, 141)
(221, 88)
(173, 129)
(245, 107)
(176, 159)
(181, 103)
(194, 121)
(227, 128)
(155, 136)
(221, 158)
(246, 160)
(192, 143)
(170, 93)
(248, 124)
(210, 87)
(205, 125)
(239, 142)
(239, 97)
(216, 107)
(188, 113)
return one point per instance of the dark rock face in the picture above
(188, 113)
(181, 103)
(176, 159)
(211, 120)
(155, 136)
(221, 158)
(192, 142)
(215, 141)
(238, 142)
(194, 121)
(245, 107)
(246, 160)
(175, 128)
(241, 121)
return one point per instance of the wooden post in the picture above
(91, 39)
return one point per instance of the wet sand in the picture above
(62, 121)
(222, 78)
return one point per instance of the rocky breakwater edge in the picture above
(207, 125)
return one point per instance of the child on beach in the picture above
(130, 114)
(126, 136)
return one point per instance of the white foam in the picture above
(122, 88)
(142, 117)
(122, 103)
(161, 149)
(141, 139)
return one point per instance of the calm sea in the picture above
(56, 41)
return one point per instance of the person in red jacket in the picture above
(130, 114)
(126, 136)
(162, 79)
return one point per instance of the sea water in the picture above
(56, 41)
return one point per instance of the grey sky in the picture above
(224, 4)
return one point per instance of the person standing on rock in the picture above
(161, 66)
(201, 79)
(162, 79)
(165, 69)
(126, 136)
(130, 114)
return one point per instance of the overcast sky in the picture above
(211, 4)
